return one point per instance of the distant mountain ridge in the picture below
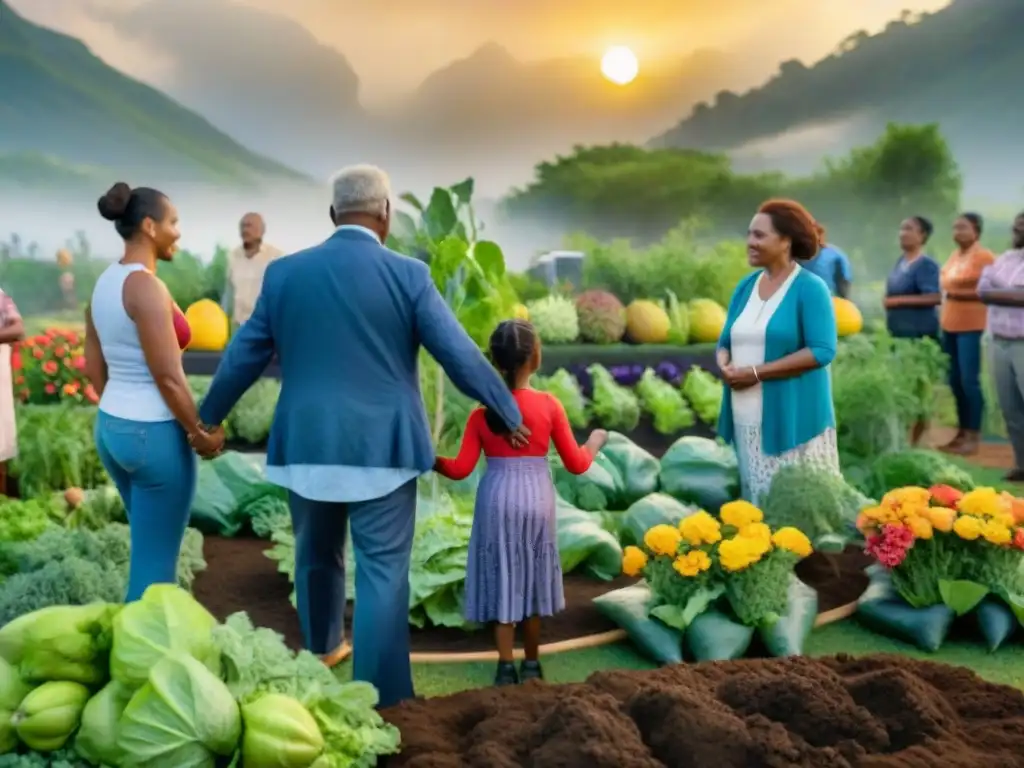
(60, 101)
(959, 67)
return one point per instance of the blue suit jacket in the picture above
(347, 319)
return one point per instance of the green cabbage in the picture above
(279, 733)
(164, 620)
(183, 717)
(555, 319)
(97, 738)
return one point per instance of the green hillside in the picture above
(59, 100)
(959, 67)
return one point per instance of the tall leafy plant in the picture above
(469, 272)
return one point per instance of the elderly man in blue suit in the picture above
(350, 435)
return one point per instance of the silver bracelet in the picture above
(756, 377)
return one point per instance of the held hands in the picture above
(208, 442)
(518, 437)
(739, 378)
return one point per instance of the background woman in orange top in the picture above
(513, 573)
(963, 321)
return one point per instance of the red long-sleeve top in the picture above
(543, 415)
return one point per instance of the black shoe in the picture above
(1014, 476)
(506, 674)
(531, 670)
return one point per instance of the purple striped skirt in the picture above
(513, 571)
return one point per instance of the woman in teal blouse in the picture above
(774, 352)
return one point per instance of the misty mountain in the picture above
(489, 114)
(492, 111)
(258, 76)
(959, 67)
(65, 116)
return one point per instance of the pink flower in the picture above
(890, 546)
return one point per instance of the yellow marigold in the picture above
(692, 563)
(880, 515)
(941, 518)
(663, 539)
(740, 514)
(738, 553)
(910, 496)
(758, 531)
(967, 527)
(633, 561)
(793, 540)
(1007, 519)
(921, 527)
(995, 532)
(983, 502)
(700, 528)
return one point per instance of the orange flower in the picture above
(37, 353)
(78, 363)
(1018, 538)
(71, 388)
(16, 359)
(50, 389)
(20, 380)
(50, 367)
(60, 351)
(945, 495)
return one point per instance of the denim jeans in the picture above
(154, 469)
(964, 350)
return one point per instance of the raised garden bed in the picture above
(240, 578)
(838, 712)
(575, 357)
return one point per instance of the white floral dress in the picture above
(747, 341)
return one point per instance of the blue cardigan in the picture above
(800, 408)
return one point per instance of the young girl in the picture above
(514, 574)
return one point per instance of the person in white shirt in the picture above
(246, 265)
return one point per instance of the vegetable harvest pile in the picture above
(160, 683)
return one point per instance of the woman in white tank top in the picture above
(147, 425)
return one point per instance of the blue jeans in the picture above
(154, 469)
(964, 350)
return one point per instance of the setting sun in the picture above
(619, 65)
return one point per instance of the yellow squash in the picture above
(209, 324)
(848, 317)
(646, 322)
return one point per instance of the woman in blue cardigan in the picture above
(774, 353)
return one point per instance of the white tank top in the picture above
(131, 392)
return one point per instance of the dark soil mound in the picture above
(838, 578)
(874, 712)
(240, 578)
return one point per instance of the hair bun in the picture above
(113, 205)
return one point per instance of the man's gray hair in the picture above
(360, 189)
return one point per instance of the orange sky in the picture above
(393, 44)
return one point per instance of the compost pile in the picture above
(841, 712)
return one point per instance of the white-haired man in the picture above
(350, 436)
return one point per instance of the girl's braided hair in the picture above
(511, 347)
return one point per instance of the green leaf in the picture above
(410, 199)
(440, 218)
(962, 596)
(403, 226)
(448, 256)
(463, 191)
(831, 543)
(700, 600)
(490, 258)
(1016, 604)
(670, 615)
